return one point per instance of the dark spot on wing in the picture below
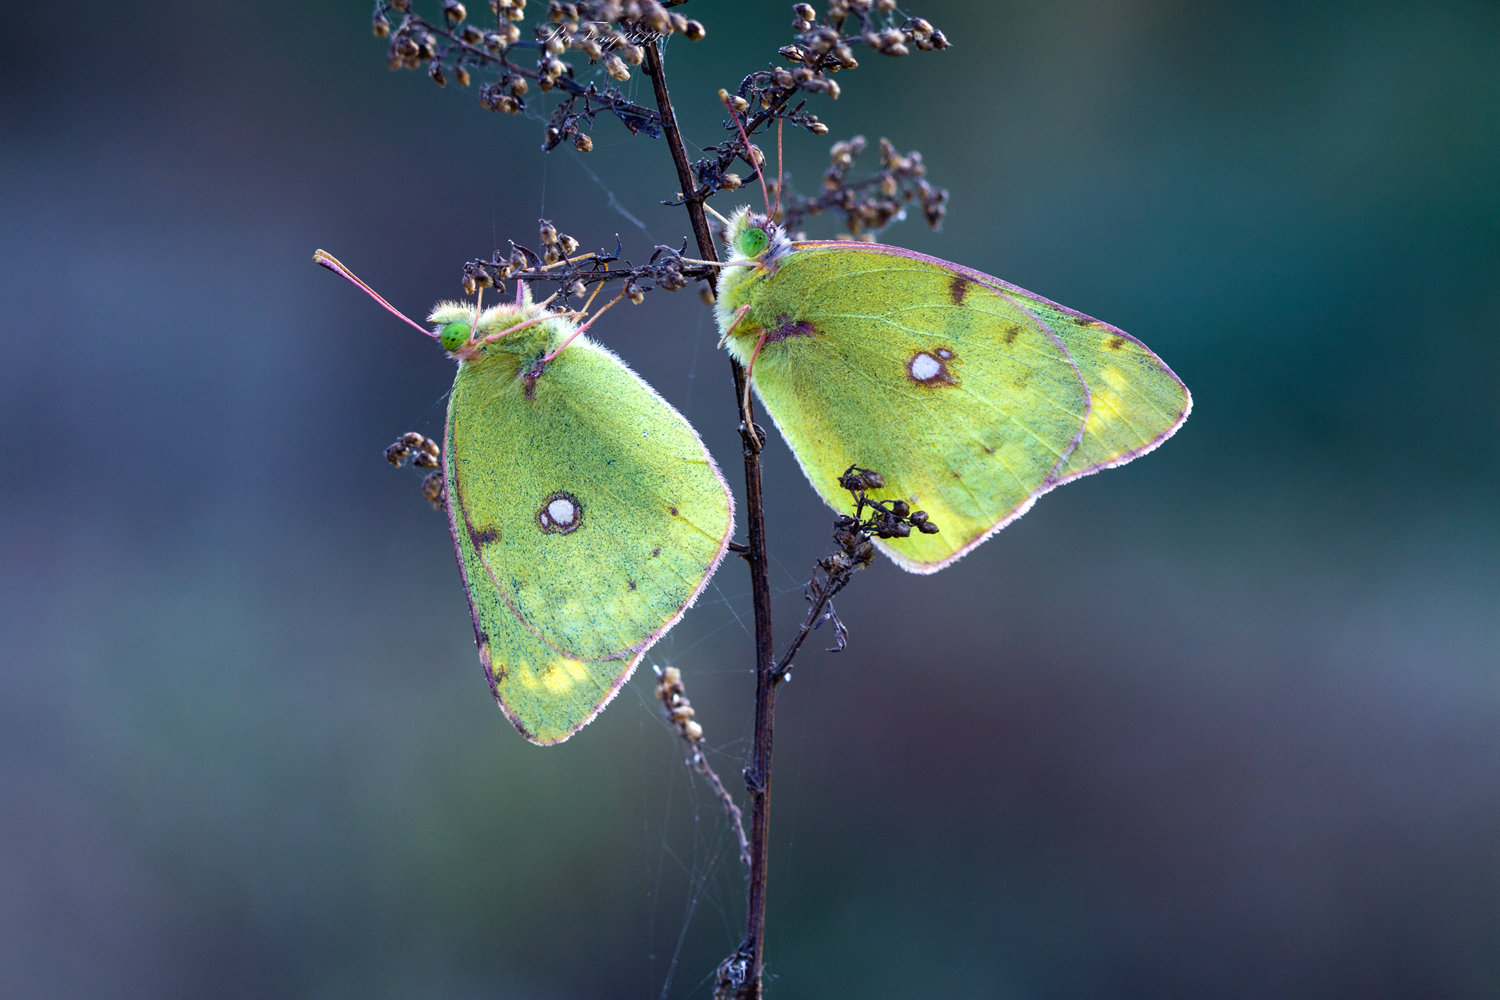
(958, 288)
(655, 553)
(632, 584)
(483, 536)
(787, 327)
(1011, 333)
(1115, 343)
(672, 510)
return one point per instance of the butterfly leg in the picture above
(750, 370)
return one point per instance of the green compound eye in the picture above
(753, 241)
(454, 336)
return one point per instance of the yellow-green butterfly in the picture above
(586, 513)
(972, 397)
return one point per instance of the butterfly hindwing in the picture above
(547, 695)
(1138, 402)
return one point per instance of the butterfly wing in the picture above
(589, 504)
(964, 400)
(548, 696)
(1138, 402)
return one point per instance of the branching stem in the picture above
(744, 967)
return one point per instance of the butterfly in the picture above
(586, 513)
(972, 397)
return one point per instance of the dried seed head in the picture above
(432, 488)
(435, 70)
(616, 68)
(546, 231)
(469, 284)
(804, 11)
(583, 143)
(461, 75)
(634, 293)
(576, 289)
(792, 54)
(731, 182)
(454, 11)
(694, 30)
(380, 24)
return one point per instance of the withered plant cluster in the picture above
(579, 53)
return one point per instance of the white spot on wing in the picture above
(924, 367)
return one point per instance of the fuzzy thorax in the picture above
(755, 247)
(453, 321)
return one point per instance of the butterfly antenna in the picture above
(715, 213)
(474, 326)
(749, 150)
(331, 262)
(780, 177)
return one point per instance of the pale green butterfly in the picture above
(586, 514)
(972, 397)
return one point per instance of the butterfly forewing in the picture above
(590, 503)
(963, 400)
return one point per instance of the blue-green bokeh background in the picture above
(1223, 723)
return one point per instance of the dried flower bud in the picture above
(380, 25)
(616, 68)
(432, 488)
(546, 231)
(634, 293)
(454, 11)
(435, 70)
(461, 75)
(469, 284)
(583, 143)
(804, 11)
(731, 182)
(566, 243)
(817, 128)
(694, 30)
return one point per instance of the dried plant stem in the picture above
(740, 974)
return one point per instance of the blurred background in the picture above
(1222, 723)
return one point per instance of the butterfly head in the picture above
(521, 329)
(752, 238)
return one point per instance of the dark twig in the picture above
(748, 959)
